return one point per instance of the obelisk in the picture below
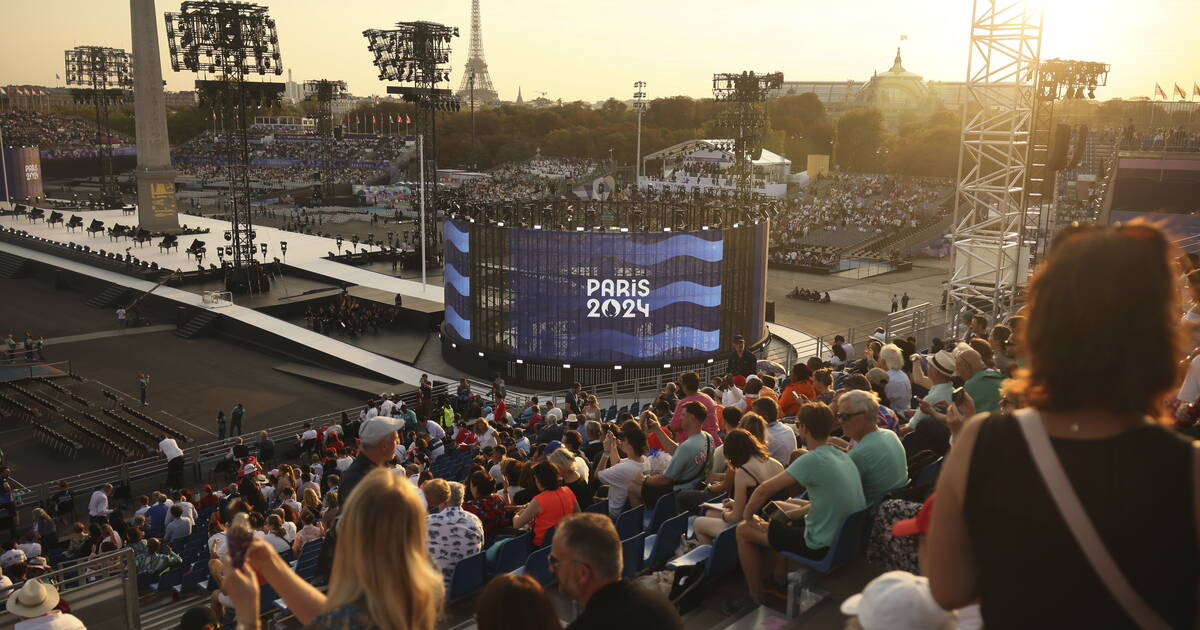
(157, 211)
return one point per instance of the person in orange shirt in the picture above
(801, 385)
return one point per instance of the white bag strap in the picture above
(1081, 527)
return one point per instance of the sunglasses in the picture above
(846, 416)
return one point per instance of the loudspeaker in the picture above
(1081, 136)
(337, 132)
(1059, 147)
(770, 311)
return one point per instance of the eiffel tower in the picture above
(477, 67)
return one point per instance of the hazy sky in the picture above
(575, 50)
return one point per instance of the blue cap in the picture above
(487, 410)
(553, 446)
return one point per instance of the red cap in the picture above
(739, 380)
(917, 525)
(207, 488)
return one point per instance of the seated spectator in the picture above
(690, 382)
(158, 558)
(690, 460)
(486, 504)
(798, 391)
(382, 576)
(515, 601)
(271, 530)
(751, 464)
(835, 491)
(77, 547)
(12, 555)
(311, 530)
(619, 473)
(549, 506)
(573, 442)
(464, 438)
(46, 528)
(781, 439)
(178, 530)
(514, 482)
(586, 558)
(878, 454)
(30, 544)
(1102, 342)
(564, 461)
(454, 533)
(980, 381)
(897, 599)
(37, 605)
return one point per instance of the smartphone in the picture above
(957, 396)
(771, 511)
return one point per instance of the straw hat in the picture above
(33, 600)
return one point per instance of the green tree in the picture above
(860, 140)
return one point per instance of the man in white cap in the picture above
(377, 446)
(35, 604)
(898, 600)
(941, 373)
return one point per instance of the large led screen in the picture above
(592, 297)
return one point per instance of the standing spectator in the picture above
(1102, 296)
(382, 576)
(904, 300)
(742, 362)
(121, 315)
(454, 533)
(586, 558)
(143, 385)
(8, 503)
(574, 395)
(894, 303)
(170, 449)
(98, 508)
(235, 419)
(36, 604)
(222, 427)
(64, 502)
(266, 448)
(515, 601)
(378, 441)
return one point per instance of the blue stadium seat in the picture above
(513, 552)
(929, 473)
(663, 510)
(193, 580)
(537, 566)
(631, 555)
(169, 580)
(845, 545)
(661, 546)
(612, 414)
(599, 507)
(718, 558)
(468, 576)
(266, 599)
(629, 522)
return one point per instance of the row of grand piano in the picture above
(115, 233)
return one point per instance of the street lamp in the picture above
(639, 105)
(339, 244)
(263, 246)
(283, 248)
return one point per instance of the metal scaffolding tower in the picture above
(991, 244)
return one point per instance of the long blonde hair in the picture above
(382, 564)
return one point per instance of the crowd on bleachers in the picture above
(402, 508)
(864, 202)
(53, 132)
(536, 178)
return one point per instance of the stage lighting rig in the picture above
(231, 40)
(745, 116)
(105, 78)
(324, 92)
(1067, 78)
(418, 53)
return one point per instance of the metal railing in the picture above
(102, 591)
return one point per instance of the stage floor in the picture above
(304, 251)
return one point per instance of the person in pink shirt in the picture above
(690, 382)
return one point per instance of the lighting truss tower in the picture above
(639, 105)
(324, 92)
(231, 40)
(105, 77)
(1057, 79)
(484, 92)
(418, 53)
(990, 249)
(745, 95)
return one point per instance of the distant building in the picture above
(897, 93)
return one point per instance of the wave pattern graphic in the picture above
(648, 347)
(461, 327)
(462, 284)
(545, 254)
(457, 237)
(684, 291)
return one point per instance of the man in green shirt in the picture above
(834, 490)
(878, 453)
(408, 416)
(691, 459)
(980, 381)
